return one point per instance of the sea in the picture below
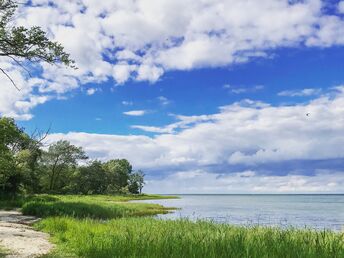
(321, 212)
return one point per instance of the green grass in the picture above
(96, 210)
(148, 237)
(85, 206)
(111, 226)
(11, 202)
(3, 252)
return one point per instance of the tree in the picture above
(90, 179)
(61, 158)
(117, 172)
(136, 182)
(18, 156)
(27, 44)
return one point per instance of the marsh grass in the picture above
(96, 210)
(148, 237)
(84, 206)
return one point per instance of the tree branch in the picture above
(9, 77)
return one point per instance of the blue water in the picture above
(312, 211)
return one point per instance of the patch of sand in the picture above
(17, 236)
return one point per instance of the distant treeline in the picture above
(26, 166)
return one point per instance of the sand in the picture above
(19, 238)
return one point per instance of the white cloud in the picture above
(341, 6)
(200, 181)
(139, 40)
(182, 123)
(154, 129)
(300, 93)
(245, 133)
(127, 103)
(91, 91)
(163, 100)
(239, 89)
(135, 113)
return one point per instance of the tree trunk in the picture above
(53, 174)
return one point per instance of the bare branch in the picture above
(9, 77)
(21, 65)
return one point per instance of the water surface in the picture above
(312, 211)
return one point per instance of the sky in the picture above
(205, 96)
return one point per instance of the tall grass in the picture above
(84, 206)
(96, 210)
(148, 237)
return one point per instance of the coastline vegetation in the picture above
(85, 206)
(149, 237)
(112, 226)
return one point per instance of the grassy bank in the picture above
(78, 206)
(148, 237)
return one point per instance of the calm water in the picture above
(314, 211)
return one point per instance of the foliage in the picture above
(117, 173)
(147, 237)
(18, 156)
(27, 168)
(27, 44)
(90, 179)
(60, 158)
(136, 182)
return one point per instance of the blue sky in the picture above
(235, 97)
(196, 92)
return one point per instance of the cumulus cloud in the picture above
(141, 40)
(247, 134)
(300, 93)
(135, 113)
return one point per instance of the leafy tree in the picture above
(27, 44)
(17, 150)
(136, 182)
(59, 160)
(90, 179)
(117, 172)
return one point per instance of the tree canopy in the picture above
(62, 168)
(32, 45)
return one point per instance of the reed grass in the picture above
(84, 206)
(149, 237)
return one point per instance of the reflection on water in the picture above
(312, 211)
